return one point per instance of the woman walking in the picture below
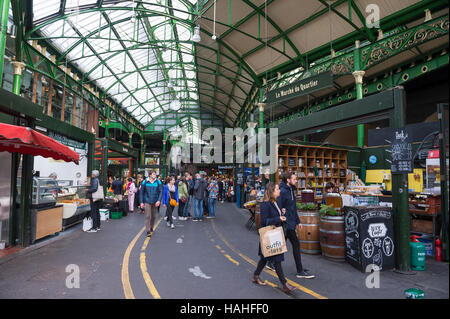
(213, 191)
(170, 199)
(271, 215)
(132, 190)
(183, 195)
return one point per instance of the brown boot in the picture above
(288, 288)
(258, 281)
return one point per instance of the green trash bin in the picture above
(417, 254)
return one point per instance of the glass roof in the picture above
(139, 52)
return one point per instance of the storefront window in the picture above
(56, 100)
(26, 88)
(8, 77)
(44, 100)
(79, 112)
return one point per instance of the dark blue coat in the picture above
(270, 216)
(288, 200)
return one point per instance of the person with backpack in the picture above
(150, 197)
(170, 199)
(184, 195)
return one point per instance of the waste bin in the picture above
(417, 254)
(369, 237)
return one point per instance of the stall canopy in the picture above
(20, 139)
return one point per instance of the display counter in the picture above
(74, 202)
(47, 221)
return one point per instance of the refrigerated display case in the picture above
(74, 201)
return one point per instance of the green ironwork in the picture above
(4, 7)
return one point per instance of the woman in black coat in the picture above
(271, 214)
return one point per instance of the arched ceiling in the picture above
(133, 49)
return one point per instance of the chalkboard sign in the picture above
(369, 237)
(401, 151)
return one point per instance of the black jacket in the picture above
(200, 188)
(270, 216)
(288, 200)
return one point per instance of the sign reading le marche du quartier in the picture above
(301, 87)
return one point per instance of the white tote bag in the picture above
(98, 194)
(87, 223)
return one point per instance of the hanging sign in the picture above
(401, 151)
(302, 87)
(67, 141)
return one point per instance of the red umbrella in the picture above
(21, 139)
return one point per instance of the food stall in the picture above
(74, 201)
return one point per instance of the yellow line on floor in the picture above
(143, 262)
(252, 262)
(128, 292)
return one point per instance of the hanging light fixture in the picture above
(196, 38)
(214, 25)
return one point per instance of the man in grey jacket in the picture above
(199, 197)
(95, 205)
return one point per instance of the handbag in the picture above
(172, 202)
(98, 194)
(183, 200)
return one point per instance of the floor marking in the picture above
(128, 292)
(232, 260)
(148, 280)
(271, 284)
(196, 271)
(252, 262)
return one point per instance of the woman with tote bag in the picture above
(170, 199)
(271, 214)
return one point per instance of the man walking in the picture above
(150, 197)
(287, 200)
(117, 186)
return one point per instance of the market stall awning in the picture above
(20, 139)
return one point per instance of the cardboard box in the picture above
(422, 226)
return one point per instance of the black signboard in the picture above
(369, 237)
(401, 151)
(302, 87)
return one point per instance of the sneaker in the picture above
(195, 220)
(172, 226)
(168, 224)
(92, 230)
(165, 217)
(149, 234)
(270, 266)
(174, 217)
(304, 274)
(98, 229)
(200, 219)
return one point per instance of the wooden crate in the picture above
(422, 226)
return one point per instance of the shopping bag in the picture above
(87, 223)
(272, 241)
(98, 194)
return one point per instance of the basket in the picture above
(116, 215)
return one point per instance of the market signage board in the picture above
(401, 151)
(302, 87)
(67, 141)
(369, 237)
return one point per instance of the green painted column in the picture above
(164, 155)
(18, 69)
(400, 198)
(358, 74)
(4, 7)
(142, 157)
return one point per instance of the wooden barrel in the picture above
(258, 219)
(332, 237)
(309, 235)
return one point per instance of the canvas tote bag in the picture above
(272, 240)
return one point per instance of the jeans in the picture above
(150, 214)
(212, 207)
(169, 212)
(186, 207)
(181, 209)
(198, 208)
(95, 214)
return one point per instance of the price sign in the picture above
(401, 152)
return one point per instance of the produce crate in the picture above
(422, 226)
(116, 215)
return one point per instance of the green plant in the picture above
(307, 206)
(328, 210)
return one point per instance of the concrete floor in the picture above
(213, 259)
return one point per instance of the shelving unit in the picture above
(315, 166)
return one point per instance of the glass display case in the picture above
(45, 191)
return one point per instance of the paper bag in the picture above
(272, 241)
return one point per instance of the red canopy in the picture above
(21, 139)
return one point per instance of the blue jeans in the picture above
(186, 207)
(198, 208)
(212, 206)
